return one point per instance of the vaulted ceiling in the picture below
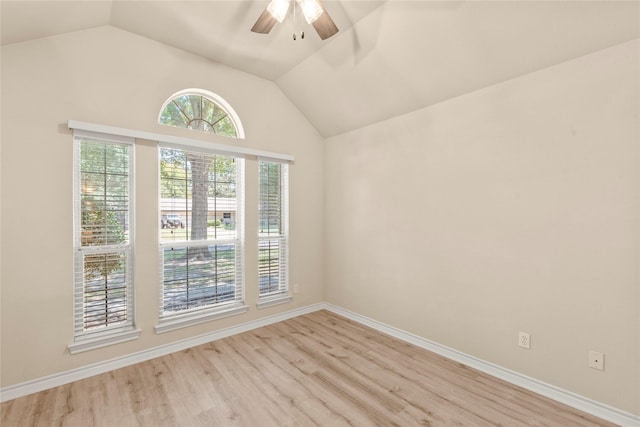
(389, 58)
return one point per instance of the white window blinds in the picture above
(201, 218)
(103, 239)
(273, 226)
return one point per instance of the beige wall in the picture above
(513, 208)
(111, 77)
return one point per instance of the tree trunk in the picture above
(200, 164)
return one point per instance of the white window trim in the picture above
(281, 296)
(217, 99)
(186, 319)
(271, 300)
(212, 143)
(85, 341)
(115, 337)
(190, 317)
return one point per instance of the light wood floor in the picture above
(317, 369)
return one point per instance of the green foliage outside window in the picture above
(104, 204)
(193, 111)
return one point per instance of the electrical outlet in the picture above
(296, 288)
(524, 340)
(596, 360)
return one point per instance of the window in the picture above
(201, 217)
(273, 233)
(201, 110)
(103, 296)
(200, 227)
(200, 250)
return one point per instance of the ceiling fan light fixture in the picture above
(311, 9)
(278, 9)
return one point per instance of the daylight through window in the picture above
(196, 111)
(200, 246)
(201, 218)
(103, 237)
(273, 229)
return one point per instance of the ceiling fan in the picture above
(313, 11)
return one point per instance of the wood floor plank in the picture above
(319, 369)
(389, 373)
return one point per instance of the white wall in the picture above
(513, 208)
(111, 77)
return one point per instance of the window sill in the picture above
(184, 320)
(273, 300)
(103, 341)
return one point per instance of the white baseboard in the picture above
(55, 380)
(582, 403)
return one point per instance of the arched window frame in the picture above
(213, 97)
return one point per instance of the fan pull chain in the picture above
(295, 22)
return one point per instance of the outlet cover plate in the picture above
(596, 360)
(524, 340)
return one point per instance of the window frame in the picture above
(169, 321)
(282, 295)
(216, 144)
(89, 339)
(215, 99)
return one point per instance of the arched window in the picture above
(201, 110)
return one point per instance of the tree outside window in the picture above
(201, 254)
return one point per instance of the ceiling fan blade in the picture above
(324, 25)
(265, 23)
